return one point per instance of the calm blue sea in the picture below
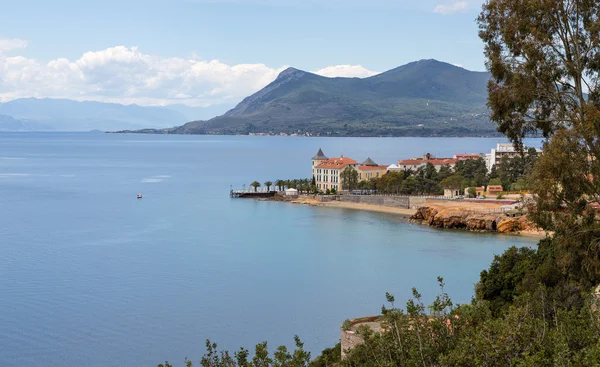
(91, 276)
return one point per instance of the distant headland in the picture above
(421, 99)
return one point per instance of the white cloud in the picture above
(454, 7)
(348, 71)
(126, 75)
(11, 44)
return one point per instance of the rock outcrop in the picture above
(469, 220)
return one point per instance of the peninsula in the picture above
(422, 98)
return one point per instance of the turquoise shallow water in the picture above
(91, 276)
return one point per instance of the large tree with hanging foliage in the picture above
(544, 57)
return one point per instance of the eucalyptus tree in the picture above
(544, 59)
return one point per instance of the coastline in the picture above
(369, 207)
(406, 213)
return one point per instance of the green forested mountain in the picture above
(423, 98)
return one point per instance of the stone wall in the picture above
(416, 202)
(392, 201)
(350, 338)
(399, 201)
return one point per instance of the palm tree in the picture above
(268, 184)
(301, 187)
(255, 184)
(279, 183)
(306, 183)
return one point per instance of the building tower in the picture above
(316, 160)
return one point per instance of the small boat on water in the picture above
(139, 196)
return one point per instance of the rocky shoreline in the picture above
(469, 220)
(474, 217)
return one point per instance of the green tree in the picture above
(498, 284)
(544, 56)
(389, 183)
(519, 185)
(426, 180)
(493, 172)
(453, 182)
(472, 170)
(471, 192)
(445, 171)
(494, 182)
(329, 357)
(349, 178)
(280, 184)
(268, 184)
(256, 185)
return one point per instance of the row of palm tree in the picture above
(304, 185)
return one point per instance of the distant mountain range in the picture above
(32, 114)
(423, 98)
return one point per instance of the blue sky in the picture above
(195, 43)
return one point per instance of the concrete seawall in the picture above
(404, 202)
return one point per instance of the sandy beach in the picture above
(368, 207)
(355, 206)
(409, 212)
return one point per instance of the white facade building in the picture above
(502, 150)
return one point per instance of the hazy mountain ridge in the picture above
(422, 98)
(47, 114)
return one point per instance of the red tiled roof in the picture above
(435, 161)
(372, 168)
(336, 163)
(410, 162)
(467, 155)
(442, 161)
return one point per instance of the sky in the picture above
(216, 52)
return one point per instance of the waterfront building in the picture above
(327, 172)
(369, 169)
(465, 156)
(394, 168)
(479, 190)
(316, 160)
(416, 163)
(451, 192)
(493, 190)
(502, 150)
